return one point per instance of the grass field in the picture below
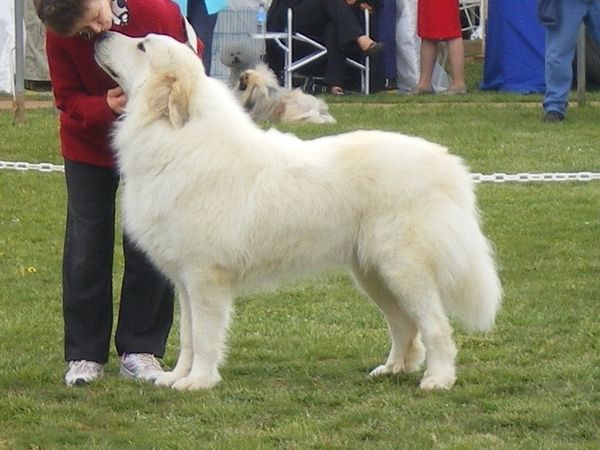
(296, 375)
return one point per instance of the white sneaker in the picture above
(140, 366)
(83, 372)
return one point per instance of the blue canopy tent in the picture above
(514, 47)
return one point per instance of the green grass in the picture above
(296, 373)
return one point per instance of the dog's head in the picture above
(254, 89)
(155, 70)
(246, 80)
(257, 82)
(260, 94)
(239, 55)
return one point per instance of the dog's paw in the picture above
(196, 382)
(167, 379)
(430, 383)
(387, 369)
(379, 371)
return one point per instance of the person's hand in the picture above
(116, 99)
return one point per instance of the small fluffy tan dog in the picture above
(262, 97)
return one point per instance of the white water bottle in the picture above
(261, 18)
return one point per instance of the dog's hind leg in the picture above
(210, 303)
(407, 353)
(421, 301)
(184, 361)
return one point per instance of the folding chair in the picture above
(472, 12)
(284, 40)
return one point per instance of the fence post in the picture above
(19, 99)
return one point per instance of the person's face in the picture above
(96, 18)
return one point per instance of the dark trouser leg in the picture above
(335, 71)
(146, 308)
(387, 34)
(87, 261)
(204, 26)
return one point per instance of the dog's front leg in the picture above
(184, 362)
(210, 310)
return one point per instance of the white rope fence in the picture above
(477, 177)
(529, 177)
(40, 167)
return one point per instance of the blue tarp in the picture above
(514, 47)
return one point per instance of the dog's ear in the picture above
(179, 105)
(169, 97)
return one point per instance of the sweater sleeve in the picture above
(70, 95)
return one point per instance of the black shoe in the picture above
(390, 84)
(553, 116)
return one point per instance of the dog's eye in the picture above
(141, 47)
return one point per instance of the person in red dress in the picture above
(439, 21)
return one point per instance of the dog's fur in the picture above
(261, 95)
(239, 56)
(222, 206)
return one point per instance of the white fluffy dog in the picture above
(222, 206)
(264, 99)
(238, 56)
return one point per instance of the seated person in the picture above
(335, 23)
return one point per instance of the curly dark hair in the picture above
(60, 15)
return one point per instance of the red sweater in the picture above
(80, 85)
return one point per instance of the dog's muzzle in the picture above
(100, 53)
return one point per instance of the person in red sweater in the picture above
(437, 21)
(89, 102)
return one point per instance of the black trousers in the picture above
(204, 26)
(146, 305)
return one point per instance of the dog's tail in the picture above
(478, 294)
(466, 273)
